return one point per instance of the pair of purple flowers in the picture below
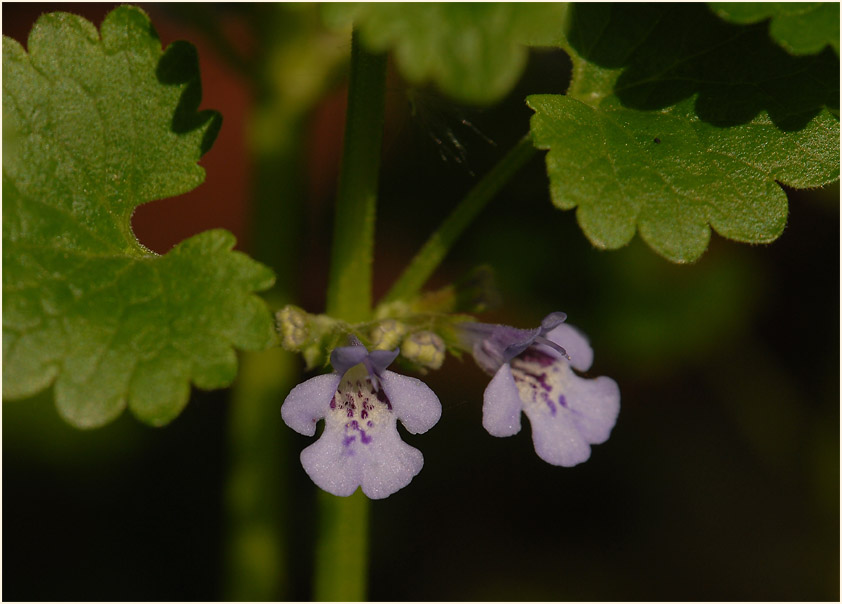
(361, 402)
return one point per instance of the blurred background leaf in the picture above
(801, 28)
(473, 52)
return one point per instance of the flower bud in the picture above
(294, 327)
(424, 348)
(387, 334)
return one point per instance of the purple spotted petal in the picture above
(594, 405)
(568, 413)
(574, 343)
(308, 402)
(360, 445)
(382, 467)
(375, 459)
(501, 405)
(413, 402)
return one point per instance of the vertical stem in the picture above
(341, 568)
(349, 285)
(341, 572)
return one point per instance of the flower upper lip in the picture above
(375, 362)
(494, 345)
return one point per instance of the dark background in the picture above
(720, 481)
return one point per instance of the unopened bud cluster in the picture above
(424, 348)
(387, 334)
(314, 336)
(294, 327)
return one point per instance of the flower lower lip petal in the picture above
(361, 404)
(532, 374)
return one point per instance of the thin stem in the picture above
(435, 249)
(342, 548)
(341, 568)
(349, 285)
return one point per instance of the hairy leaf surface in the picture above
(677, 122)
(95, 124)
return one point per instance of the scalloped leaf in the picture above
(93, 127)
(677, 122)
(474, 52)
(802, 28)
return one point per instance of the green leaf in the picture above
(92, 128)
(676, 122)
(474, 52)
(800, 27)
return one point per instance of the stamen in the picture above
(553, 345)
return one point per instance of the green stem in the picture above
(430, 256)
(257, 478)
(341, 568)
(342, 548)
(349, 284)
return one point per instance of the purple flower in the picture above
(361, 403)
(533, 373)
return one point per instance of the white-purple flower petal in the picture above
(568, 413)
(304, 405)
(389, 465)
(556, 439)
(501, 405)
(361, 403)
(415, 404)
(594, 406)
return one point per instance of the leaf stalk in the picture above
(439, 243)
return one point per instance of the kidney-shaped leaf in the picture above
(677, 122)
(93, 126)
